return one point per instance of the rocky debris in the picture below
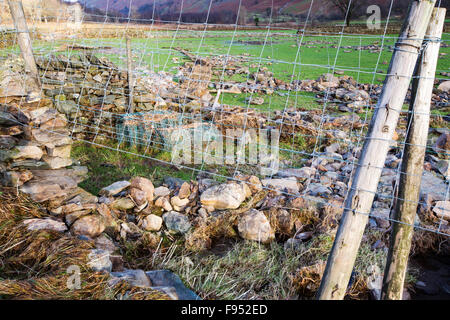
(176, 222)
(45, 224)
(254, 225)
(225, 196)
(14, 81)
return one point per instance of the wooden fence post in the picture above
(130, 75)
(376, 145)
(23, 38)
(413, 158)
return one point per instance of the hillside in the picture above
(195, 10)
(163, 7)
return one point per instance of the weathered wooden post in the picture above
(413, 158)
(130, 75)
(23, 38)
(376, 145)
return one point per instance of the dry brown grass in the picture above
(34, 264)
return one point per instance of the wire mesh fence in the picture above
(287, 102)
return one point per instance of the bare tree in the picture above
(347, 7)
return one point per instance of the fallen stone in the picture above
(176, 222)
(145, 185)
(224, 196)
(139, 196)
(289, 184)
(185, 190)
(166, 278)
(442, 209)
(114, 188)
(123, 204)
(152, 223)
(90, 226)
(161, 191)
(73, 216)
(45, 224)
(433, 186)
(381, 216)
(254, 225)
(178, 204)
(317, 189)
(99, 260)
(444, 86)
(136, 278)
(102, 242)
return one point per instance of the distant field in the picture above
(276, 50)
(273, 50)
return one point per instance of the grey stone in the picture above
(433, 186)
(316, 189)
(114, 188)
(289, 184)
(177, 222)
(99, 260)
(136, 278)
(165, 278)
(161, 191)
